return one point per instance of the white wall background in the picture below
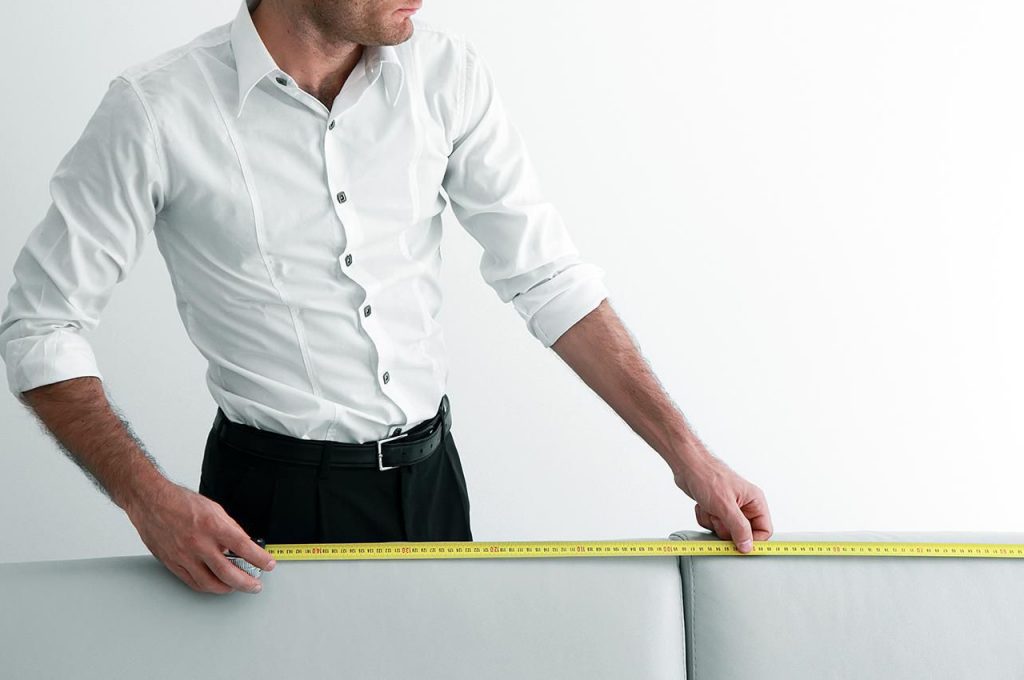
(811, 218)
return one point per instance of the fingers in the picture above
(711, 522)
(181, 572)
(204, 580)
(237, 540)
(738, 529)
(231, 575)
(250, 551)
(213, 573)
(210, 570)
(760, 520)
(740, 524)
(703, 518)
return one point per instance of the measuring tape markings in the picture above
(633, 548)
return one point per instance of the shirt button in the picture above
(341, 197)
(398, 430)
(348, 260)
(366, 310)
(282, 81)
(387, 377)
(331, 126)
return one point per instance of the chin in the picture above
(399, 32)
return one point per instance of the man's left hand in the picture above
(727, 504)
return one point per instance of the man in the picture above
(290, 164)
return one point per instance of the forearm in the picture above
(78, 415)
(600, 350)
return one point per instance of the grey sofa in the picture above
(703, 618)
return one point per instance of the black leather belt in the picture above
(389, 453)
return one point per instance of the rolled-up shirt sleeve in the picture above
(529, 257)
(106, 193)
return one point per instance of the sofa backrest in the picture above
(129, 617)
(798, 617)
(701, 618)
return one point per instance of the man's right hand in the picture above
(189, 533)
(185, 530)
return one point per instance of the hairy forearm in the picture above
(601, 351)
(85, 425)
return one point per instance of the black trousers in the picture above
(285, 502)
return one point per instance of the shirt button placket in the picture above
(385, 377)
(367, 309)
(341, 197)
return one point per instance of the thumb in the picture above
(739, 529)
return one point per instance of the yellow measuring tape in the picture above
(431, 550)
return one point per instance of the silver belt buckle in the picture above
(380, 452)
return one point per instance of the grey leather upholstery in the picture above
(129, 617)
(774, 617)
(746, 616)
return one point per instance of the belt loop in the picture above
(446, 417)
(218, 422)
(324, 458)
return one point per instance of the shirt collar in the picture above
(253, 62)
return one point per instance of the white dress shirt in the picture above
(302, 242)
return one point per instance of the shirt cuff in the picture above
(553, 306)
(41, 360)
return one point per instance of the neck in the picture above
(307, 46)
